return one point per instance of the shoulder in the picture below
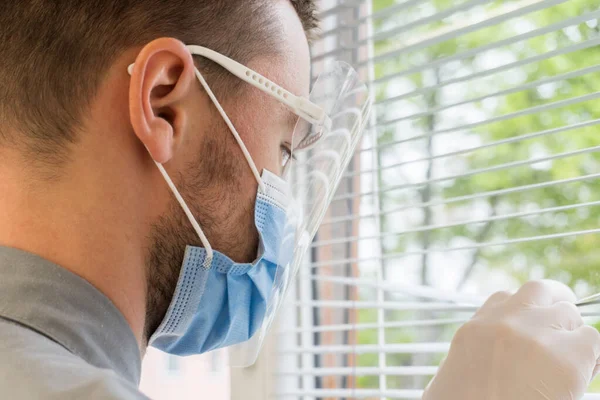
(34, 367)
(71, 381)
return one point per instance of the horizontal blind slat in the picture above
(588, 315)
(385, 325)
(354, 393)
(338, 8)
(454, 31)
(414, 291)
(388, 305)
(385, 13)
(408, 348)
(472, 172)
(524, 112)
(403, 28)
(364, 371)
(481, 74)
(495, 193)
(462, 30)
(369, 393)
(478, 75)
(519, 88)
(473, 246)
(458, 199)
(514, 139)
(493, 218)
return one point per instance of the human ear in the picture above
(162, 77)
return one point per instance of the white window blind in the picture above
(479, 171)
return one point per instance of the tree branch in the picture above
(481, 235)
(432, 102)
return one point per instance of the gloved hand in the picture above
(532, 345)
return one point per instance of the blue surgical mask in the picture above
(222, 303)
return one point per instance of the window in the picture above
(173, 366)
(479, 171)
(166, 377)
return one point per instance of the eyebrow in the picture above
(290, 117)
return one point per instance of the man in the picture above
(94, 242)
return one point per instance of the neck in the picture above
(69, 223)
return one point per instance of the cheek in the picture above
(267, 154)
(262, 134)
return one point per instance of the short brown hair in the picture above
(54, 53)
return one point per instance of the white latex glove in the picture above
(532, 345)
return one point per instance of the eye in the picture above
(286, 154)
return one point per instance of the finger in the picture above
(544, 293)
(495, 299)
(590, 336)
(564, 314)
(587, 345)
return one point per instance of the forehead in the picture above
(289, 68)
(293, 67)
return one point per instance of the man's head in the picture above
(78, 134)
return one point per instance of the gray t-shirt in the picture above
(60, 338)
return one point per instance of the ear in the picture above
(161, 78)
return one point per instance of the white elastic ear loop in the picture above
(235, 133)
(184, 206)
(190, 216)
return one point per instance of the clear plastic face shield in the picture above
(324, 141)
(330, 124)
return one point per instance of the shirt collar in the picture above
(69, 310)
